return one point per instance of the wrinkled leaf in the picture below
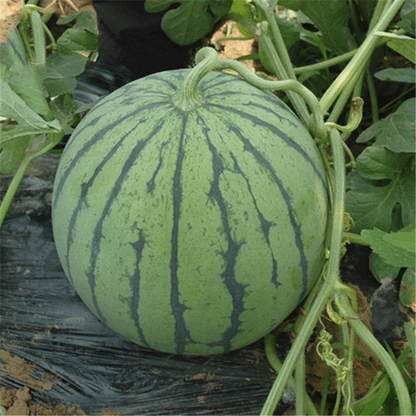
(397, 75)
(396, 132)
(408, 15)
(407, 294)
(191, 20)
(397, 249)
(58, 75)
(330, 17)
(63, 109)
(11, 153)
(20, 75)
(242, 8)
(381, 269)
(12, 106)
(380, 163)
(372, 203)
(405, 47)
(81, 37)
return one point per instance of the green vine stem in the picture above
(300, 386)
(359, 62)
(325, 64)
(331, 279)
(276, 364)
(39, 43)
(355, 239)
(268, 9)
(286, 85)
(355, 117)
(366, 335)
(281, 72)
(33, 153)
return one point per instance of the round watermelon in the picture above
(191, 229)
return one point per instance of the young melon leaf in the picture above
(381, 269)
(58, 75)
(408, 15)
(14, 107)
(372, 402)
(397, 249)
(330, 17)
(396, 132)
(11, 153)
(191, 20)
(407, 294)
(81, 37)
(20, 75)
(380, 163)
(405, 47)
(407, 75)
(410, 330)
(371, 203)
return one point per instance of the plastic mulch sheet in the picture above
(57, 358)
(53, 345)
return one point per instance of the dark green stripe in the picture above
(138, 247)
(286, 197)
(265, 225)
(83, 198)
(165, 78)
(97, 232)
(94, 139)
(182, 335)
(236, 289)
(261, 122)
(151, 182)
(220, 80)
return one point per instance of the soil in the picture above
(10, 11)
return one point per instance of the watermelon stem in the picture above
(189, 97)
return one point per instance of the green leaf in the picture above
(58, 75)
(396, 132)
(191, 20)
(397, 75)
(242, 8)
(397, 249)
(20, 75)
(63, 109)
(11, 153)
(330, 17)
(410, 330)
(408, 15)
(374, 203)
(21, 131)
(407, 294)
(405, 47)
(380, 163)
(12, 106)
(371, 403)
(81, 37)
(382, 270)
(366, 8)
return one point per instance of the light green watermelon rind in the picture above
(132, 272)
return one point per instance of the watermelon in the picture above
(191, 229)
